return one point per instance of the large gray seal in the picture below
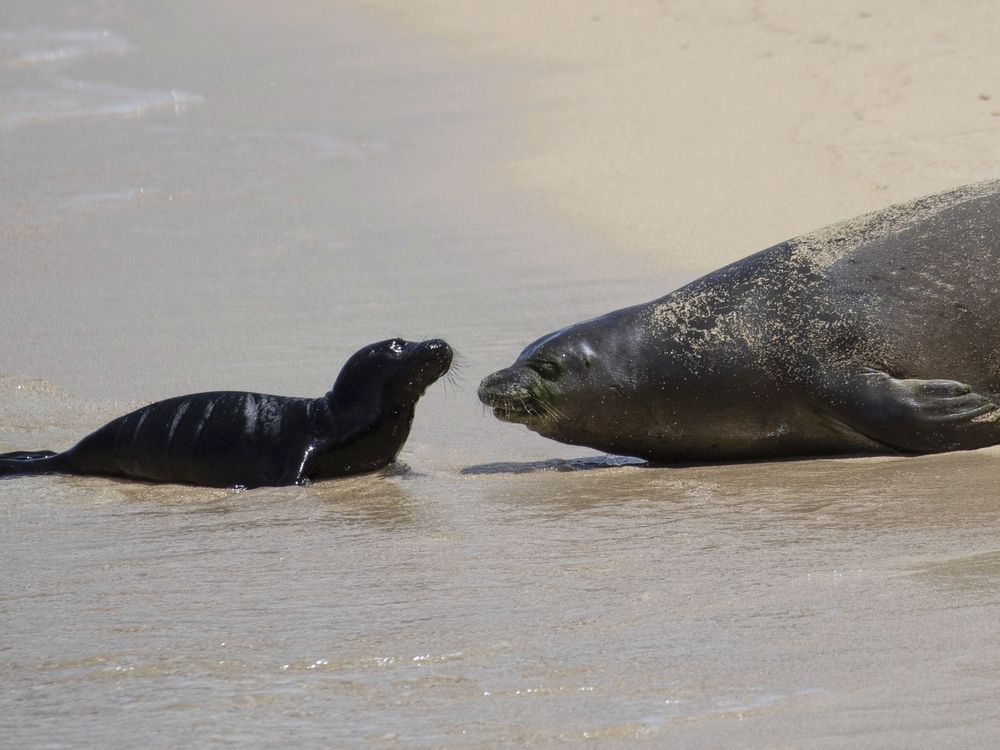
(874, 335)
(238, 439)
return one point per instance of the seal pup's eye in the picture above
(548, 370)
(396, 346)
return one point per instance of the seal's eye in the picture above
(396, 346)
(545, 368)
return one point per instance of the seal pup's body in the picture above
(878, 334)
(238, 439)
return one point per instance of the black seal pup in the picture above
(237, 439)
(873, 335)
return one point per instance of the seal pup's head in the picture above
(391, 372)
(370, 409)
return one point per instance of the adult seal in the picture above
(238, 439)
(874, 335)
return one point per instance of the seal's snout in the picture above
(501, 388)
(438, 352)
(435, 345)
(428, 361)
(513, 395)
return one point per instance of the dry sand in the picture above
(698, 132)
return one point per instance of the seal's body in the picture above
(878, 334)
(228, 438)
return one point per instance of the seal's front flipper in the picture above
(303, 470)
(919, 416)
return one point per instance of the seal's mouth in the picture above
(518, 413)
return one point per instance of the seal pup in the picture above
(239, 439)
(880, 334)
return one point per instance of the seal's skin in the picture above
(238, 439)
(880, 334)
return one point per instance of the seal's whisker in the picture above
(551, 411)
(548, 411)
(527, 405)
(457, 361)
(454, 379)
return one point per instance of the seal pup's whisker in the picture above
(453, 376)
(454, 380)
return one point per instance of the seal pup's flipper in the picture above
(328, 458)
(304, 470)
(917, 416)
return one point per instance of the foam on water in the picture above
(46, 48)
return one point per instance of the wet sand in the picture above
(196, 198)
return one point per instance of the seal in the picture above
(239, 439)
(879, 334)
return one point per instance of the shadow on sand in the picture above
(608, 461)
(587, 463)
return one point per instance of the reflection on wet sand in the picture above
(380, 499)
(873, 491)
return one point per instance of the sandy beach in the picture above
(698, 133)
(196, 197)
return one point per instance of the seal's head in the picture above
(372, 404)
(395, 370)
(574, 385)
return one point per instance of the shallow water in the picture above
(329, 179)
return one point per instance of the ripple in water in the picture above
(34, 88)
